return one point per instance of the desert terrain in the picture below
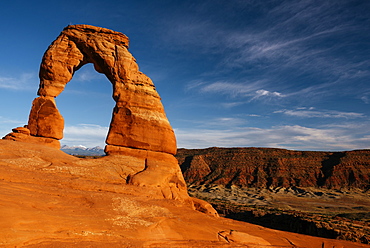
(318, 212)
(136, 195)
(51, 199)
(323, 194)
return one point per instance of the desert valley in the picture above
(324, 194)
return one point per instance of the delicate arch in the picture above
(138, 119)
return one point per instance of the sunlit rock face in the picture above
(138, 119)
(45, 119)
(139, 127)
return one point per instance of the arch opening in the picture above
(86, 105)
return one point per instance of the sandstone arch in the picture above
(139, 130)
(138, 119)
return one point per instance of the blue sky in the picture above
(287, 74)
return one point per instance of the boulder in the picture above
(45, 119)
(23, 134)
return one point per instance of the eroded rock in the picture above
(23, 134)
(138, 119)
(139, 129)
(272, 167)
(45, 119)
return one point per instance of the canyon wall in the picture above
(270, 167)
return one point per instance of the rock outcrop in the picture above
(138, 119)
(23, 134)
(45, 119)
(269, 167)
(139, 127)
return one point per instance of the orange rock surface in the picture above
(140, 134)
(51, 199)
(24, 134)
(45, 119)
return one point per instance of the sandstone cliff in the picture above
(269, 167)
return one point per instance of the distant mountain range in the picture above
(82, 150)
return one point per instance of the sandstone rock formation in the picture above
(138, 120)
(270, 167)
(23, 134)
(51, 199)
(45, 119)
(139, 127)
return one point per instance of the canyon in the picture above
(270, 167)
(324, 194)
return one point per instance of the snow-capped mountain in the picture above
(83, 150)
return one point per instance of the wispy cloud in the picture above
(227, 121)
(89, 135)
(231, 89)
(194, 85)
(7, 124)
(288, 39)
(232, 104)
(24, 81)
(365, 98)
(267, 94)
(6, 120)
(311, 113)
(251, 90)
(287, 136)
(87, 73)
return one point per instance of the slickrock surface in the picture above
(51, 199)
(270, 167)
(138, 120)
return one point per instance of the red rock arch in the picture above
(138, 119)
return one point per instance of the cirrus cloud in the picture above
(24, 81)
(296, 137)
(310, 113)
(237, 90)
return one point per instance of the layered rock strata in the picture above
(269, 167)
